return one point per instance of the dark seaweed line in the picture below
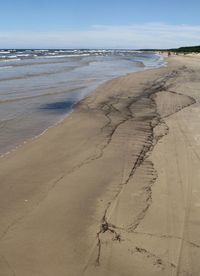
(157, 86)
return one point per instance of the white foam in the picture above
(63, 51)
(58, 56)
(63, 56)
(4, 52)
(41, 51)
(12, 56)
(10, 60)
(78, 55)
(6, 67)
(23, 55)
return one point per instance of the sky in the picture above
(99, 24)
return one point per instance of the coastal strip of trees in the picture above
(184, 50)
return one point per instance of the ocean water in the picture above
(40, 87)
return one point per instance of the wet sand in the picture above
(113, 189)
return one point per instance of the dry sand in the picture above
(113, 189)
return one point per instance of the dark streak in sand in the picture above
(151, 140)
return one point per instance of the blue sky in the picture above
(109, 24)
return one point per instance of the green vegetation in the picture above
(192, 49)
(185, 50)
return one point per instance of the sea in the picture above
(39, 87)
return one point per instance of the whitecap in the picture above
(4, 52)
(5, 67)
(12, 56)
(23, 55)
(10, 60)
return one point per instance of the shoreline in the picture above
(80, 199)
(33, 114)
(14, 148)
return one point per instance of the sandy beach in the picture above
(114, 188)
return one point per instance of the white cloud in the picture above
(148, 35)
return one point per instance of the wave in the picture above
(63, 56)
(23, 55)
(13, 56)
(34, 75)
(10, 60)
(4, 52)
(5, 67)
(32, 62)
(42, 95)
(44, 50)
